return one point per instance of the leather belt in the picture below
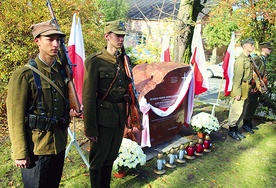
(46, 123)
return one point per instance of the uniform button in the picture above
(119, 87)
(120, 93)
(120, 81)
(55, 108)
(55, 100)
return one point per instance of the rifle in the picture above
(67, 66)
(135, 113)
(257, 71)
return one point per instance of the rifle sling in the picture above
(111, 84)
(47, 79)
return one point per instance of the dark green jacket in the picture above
(100, 70)
(21, 95)
(261, 62)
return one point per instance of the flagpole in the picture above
(73, 141)
(217, 101)
(75, 56)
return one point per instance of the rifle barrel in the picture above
(67, 64)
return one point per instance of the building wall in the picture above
(147, 32)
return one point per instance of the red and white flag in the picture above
(199, 63)
(190, 103)
(228, 66)
(77, 55)
(165, 51)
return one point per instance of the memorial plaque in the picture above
(160, 83)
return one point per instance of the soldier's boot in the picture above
(106, 176)
(95, 178)
(247, 126)
(241, 136)
(252, 126)
(232, 133)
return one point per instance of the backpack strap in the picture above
(34, 69)
(38, 85)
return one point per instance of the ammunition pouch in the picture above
(46, 123)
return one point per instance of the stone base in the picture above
(190, 157)
(159, 172)
(180, 161)
(198, 154)
(207, 150)
(170, 165)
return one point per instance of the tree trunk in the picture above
(186, 18)
(213, 58)
(183, 30)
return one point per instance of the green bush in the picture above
(17, 44)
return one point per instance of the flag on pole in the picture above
(165, 51)
(77, 55)
(190, 105)
(228, 66)
(199, 63)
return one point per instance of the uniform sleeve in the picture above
(90, 86)
(18, 88)
(237, 78)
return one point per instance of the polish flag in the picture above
(199, 63)
(77, 55)
(165, 52)
(228, 66)
(190, 101)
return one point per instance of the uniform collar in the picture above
(243, 55)
(264, 58)
(46, 67)
(108, 56)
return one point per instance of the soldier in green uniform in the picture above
(38, 115)
(243, 72)
(256, 93)
(105, 85)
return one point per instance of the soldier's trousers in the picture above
(235, 112)
(105, 151)
(45, 171)
(102, 155)
(251, 105)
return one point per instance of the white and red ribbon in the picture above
(145, 107)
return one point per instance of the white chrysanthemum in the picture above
(204, 122)
(130, 155)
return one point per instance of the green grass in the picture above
(231, 164)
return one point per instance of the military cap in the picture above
(248, 40)
(45, 29)
(116, 27)
(266, 45)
